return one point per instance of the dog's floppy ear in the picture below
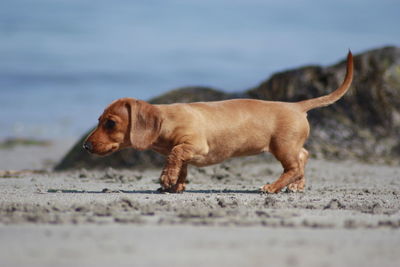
(145, 123)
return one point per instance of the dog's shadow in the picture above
(199, 191)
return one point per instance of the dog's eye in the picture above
(109, 124)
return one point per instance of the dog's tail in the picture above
(326, 100)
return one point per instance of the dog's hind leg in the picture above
(299, 185)
(287, 152)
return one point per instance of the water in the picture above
(63, 61)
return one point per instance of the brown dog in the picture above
(206, 133)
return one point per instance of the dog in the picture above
(206, 133)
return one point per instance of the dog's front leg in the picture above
(181, 183)
(174, 172)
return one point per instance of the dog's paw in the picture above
(268, 188)
(177, 188)
(294, 188)
(297, 186)
(166, 182)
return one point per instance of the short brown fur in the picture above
(206, 133)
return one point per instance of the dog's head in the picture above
(126, 122)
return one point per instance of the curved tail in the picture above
(326, 100)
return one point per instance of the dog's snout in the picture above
(88, 146)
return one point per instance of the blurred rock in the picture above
(364, 124)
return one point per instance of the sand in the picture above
(349, 215)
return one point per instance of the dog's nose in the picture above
(88, 146)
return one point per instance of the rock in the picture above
(363, 125)
(191, 94)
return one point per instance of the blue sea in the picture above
(63, 61)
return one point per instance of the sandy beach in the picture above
(349, 215)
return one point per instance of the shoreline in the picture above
(32, 154)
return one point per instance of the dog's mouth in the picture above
(105, 152)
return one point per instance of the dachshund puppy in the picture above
(205, 133)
